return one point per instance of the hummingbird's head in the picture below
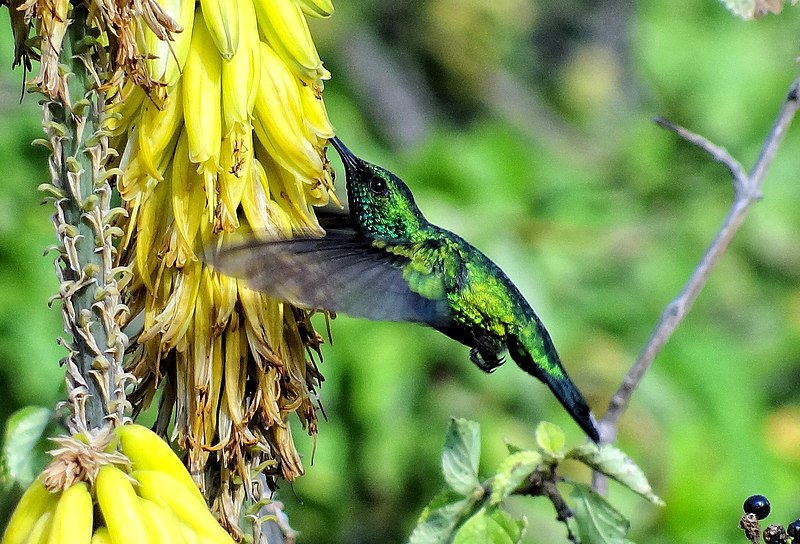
(381, 204)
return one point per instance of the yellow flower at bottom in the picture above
(143, 491)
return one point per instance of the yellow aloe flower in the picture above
(129, 475)
(231, 141)
(215, 111)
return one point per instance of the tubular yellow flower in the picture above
(241, 75)
(168, 57)
(158, 130)
(51, 20)
(202, 105)
(284, 27)
(188, 198)
(237, 173)
(279, 120)
(230, 144)
(113, 471)
(316, 8)
(222, 20)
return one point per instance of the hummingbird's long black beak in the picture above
(349, 160)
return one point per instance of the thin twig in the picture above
(542, 482)
(747, 191)
(719, 154)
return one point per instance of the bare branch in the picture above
(748, 186)
(719, 154)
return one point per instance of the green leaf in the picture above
(615, 464)
(440, 518)
(550, 438)
(490, 527)
(596, 521)
(515, 469)
(514, 527)
(23, 431)
(462, 450)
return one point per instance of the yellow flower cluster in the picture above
(144, 495)
(230, 140)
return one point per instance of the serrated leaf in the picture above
(444, 498)
(514, 527)
(550, 438)
(514, 470)
(440, 518)
(484, 527)
(615, 464)
(462, 451)
(23, 431)
(596, 521)
(753, 9)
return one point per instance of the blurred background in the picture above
(525, 126)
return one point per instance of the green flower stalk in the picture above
(84, 220)
(77, 59)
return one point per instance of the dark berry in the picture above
(793, 530)
(757, 505)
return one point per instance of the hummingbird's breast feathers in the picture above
(479, 294)
(486, 298)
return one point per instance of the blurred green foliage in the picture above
(29, 355)
(525, 127)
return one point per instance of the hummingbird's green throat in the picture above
(390, 264)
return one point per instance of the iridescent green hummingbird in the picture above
(390, 264)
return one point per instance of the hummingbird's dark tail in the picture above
(549, 369)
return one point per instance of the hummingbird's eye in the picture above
(378, 186)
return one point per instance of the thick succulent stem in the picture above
(72, 121)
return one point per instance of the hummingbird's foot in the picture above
(486, 361)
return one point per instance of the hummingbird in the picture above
(386, 262)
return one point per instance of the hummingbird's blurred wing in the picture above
(340, 272)
(331, 217)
